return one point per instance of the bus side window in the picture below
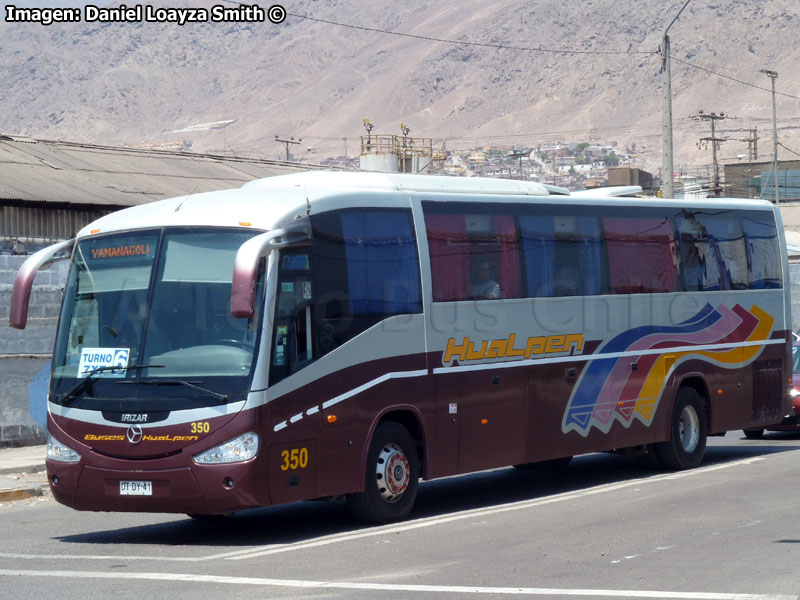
(292, 346)
(725, 232)
(366, 269)
(699, 265)
(382, 264)
(642, 255)
(474, 255)
(764, 265)
(564, 255)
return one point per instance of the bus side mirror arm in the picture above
(23, 282)
(245, 267)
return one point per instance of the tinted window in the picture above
(763, 255)
(564, 255)
(701, 263)
(361, 268)
(382, 264)
(365, 268)
(725, 233)
(642, 256)
(474, 254)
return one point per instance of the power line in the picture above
(530, 49)
(752, 85)
(525, 48)
(502, 46)
(457, 42)
(789, 149)
(465, 43)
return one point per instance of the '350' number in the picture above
(297, 458)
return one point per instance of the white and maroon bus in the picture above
(326, 334)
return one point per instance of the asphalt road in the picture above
(604, 527)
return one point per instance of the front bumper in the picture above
(196, 489)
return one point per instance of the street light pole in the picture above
(667, 166)
(773, 75)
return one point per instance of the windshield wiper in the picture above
(90, 378)
(190, 384)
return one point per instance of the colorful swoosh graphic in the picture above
(626, 394)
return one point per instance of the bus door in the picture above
(492, 416)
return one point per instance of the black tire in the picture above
(210, 519)
(688, 431)
(391, 477)
(753, 434)
(546, 466)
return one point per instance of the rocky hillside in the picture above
(138, 83)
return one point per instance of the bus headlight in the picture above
(236, 450)
(60, 452)
(794, 393)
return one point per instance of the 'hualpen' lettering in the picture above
(507, 348)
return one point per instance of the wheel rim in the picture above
(392, 473)
(689, 429)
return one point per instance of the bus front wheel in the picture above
(688, 430)
(391, 478)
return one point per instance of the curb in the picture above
(20, 493)
(26, 469)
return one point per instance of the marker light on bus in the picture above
(239, 449)
(60, 452)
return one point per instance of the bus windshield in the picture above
(153, 307)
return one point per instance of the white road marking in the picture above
(116, 557)
(390, 587)
(475, 513)
(258, 551)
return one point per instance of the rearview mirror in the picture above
(23, 282)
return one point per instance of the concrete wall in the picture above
(23, 354)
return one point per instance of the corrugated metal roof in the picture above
(64, 172)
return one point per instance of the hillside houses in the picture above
(575, 165)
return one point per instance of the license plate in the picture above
(135, 488)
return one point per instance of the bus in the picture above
(340, 334)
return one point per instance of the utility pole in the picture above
(286, 143)
(752, 156)
(667, 166)
(715, 142)
(773, 75)
(519, 154)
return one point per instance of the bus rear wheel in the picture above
(391, 478)
(688, 431)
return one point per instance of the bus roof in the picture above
(267, 203)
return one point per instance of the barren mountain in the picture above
(526, 73)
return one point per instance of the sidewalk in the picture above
(13, 461)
